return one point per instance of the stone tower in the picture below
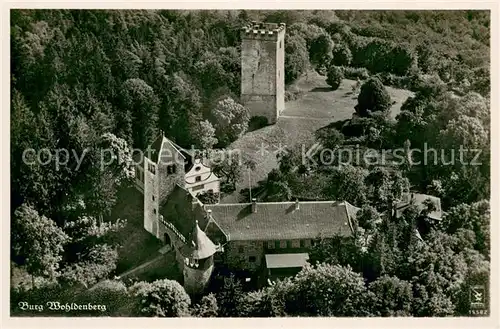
(263, 69)
(198, 261)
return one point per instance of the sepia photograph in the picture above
(250, 163)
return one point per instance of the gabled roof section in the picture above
(282, 220)
(419, 201)
(158, 146)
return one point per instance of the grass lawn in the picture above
(318, 107)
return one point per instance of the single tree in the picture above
(341, 55)
(230, 120)
(334, 77)
(393, 297)
(39, 241)
(205, 135)
(373, 97)
(329, 290)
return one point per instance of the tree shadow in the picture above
(258, 192)
(321, 89)
(336, 125)
(257, 122)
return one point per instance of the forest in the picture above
(84, 80)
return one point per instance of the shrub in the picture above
(390, 79)
(163, 298)
(334, 77)
(428, 85)
(355, 73)
(207, 307)
(373, 97)
(320, 51)
(208, 197)
(341, 55)
(291, 95)
(111, 293)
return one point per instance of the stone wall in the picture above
(168, 180)
(237, 253)
(280, 74)
(195, 280)
(151, 209)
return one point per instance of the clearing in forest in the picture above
(317, 107)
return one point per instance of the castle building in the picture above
(163, 166)
(263, 69)
(200, 178)
(265, 240)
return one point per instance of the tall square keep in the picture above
(263, 69)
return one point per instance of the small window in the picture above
(280, 44)
(312, 242)
(152, 168)
(153, 198)
(154, 211)
(198, 178)
(252, 259)
(240, 249)
(199, 187)
(270, 245)
(302, 243)
(277, 244)
(197, 168)
(289, 244)
(171, 169)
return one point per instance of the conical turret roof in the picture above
(200, 244)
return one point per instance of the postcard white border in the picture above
(490, 322)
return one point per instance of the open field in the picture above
(317, 107)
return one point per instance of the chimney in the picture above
(209, 213)
(254, 205)
(297, 205)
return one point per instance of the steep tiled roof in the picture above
(281, 220)
(199, 245)
(157, 146)
(418, 200)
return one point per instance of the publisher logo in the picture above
(477, 295)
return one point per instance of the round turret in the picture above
(198, 261)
